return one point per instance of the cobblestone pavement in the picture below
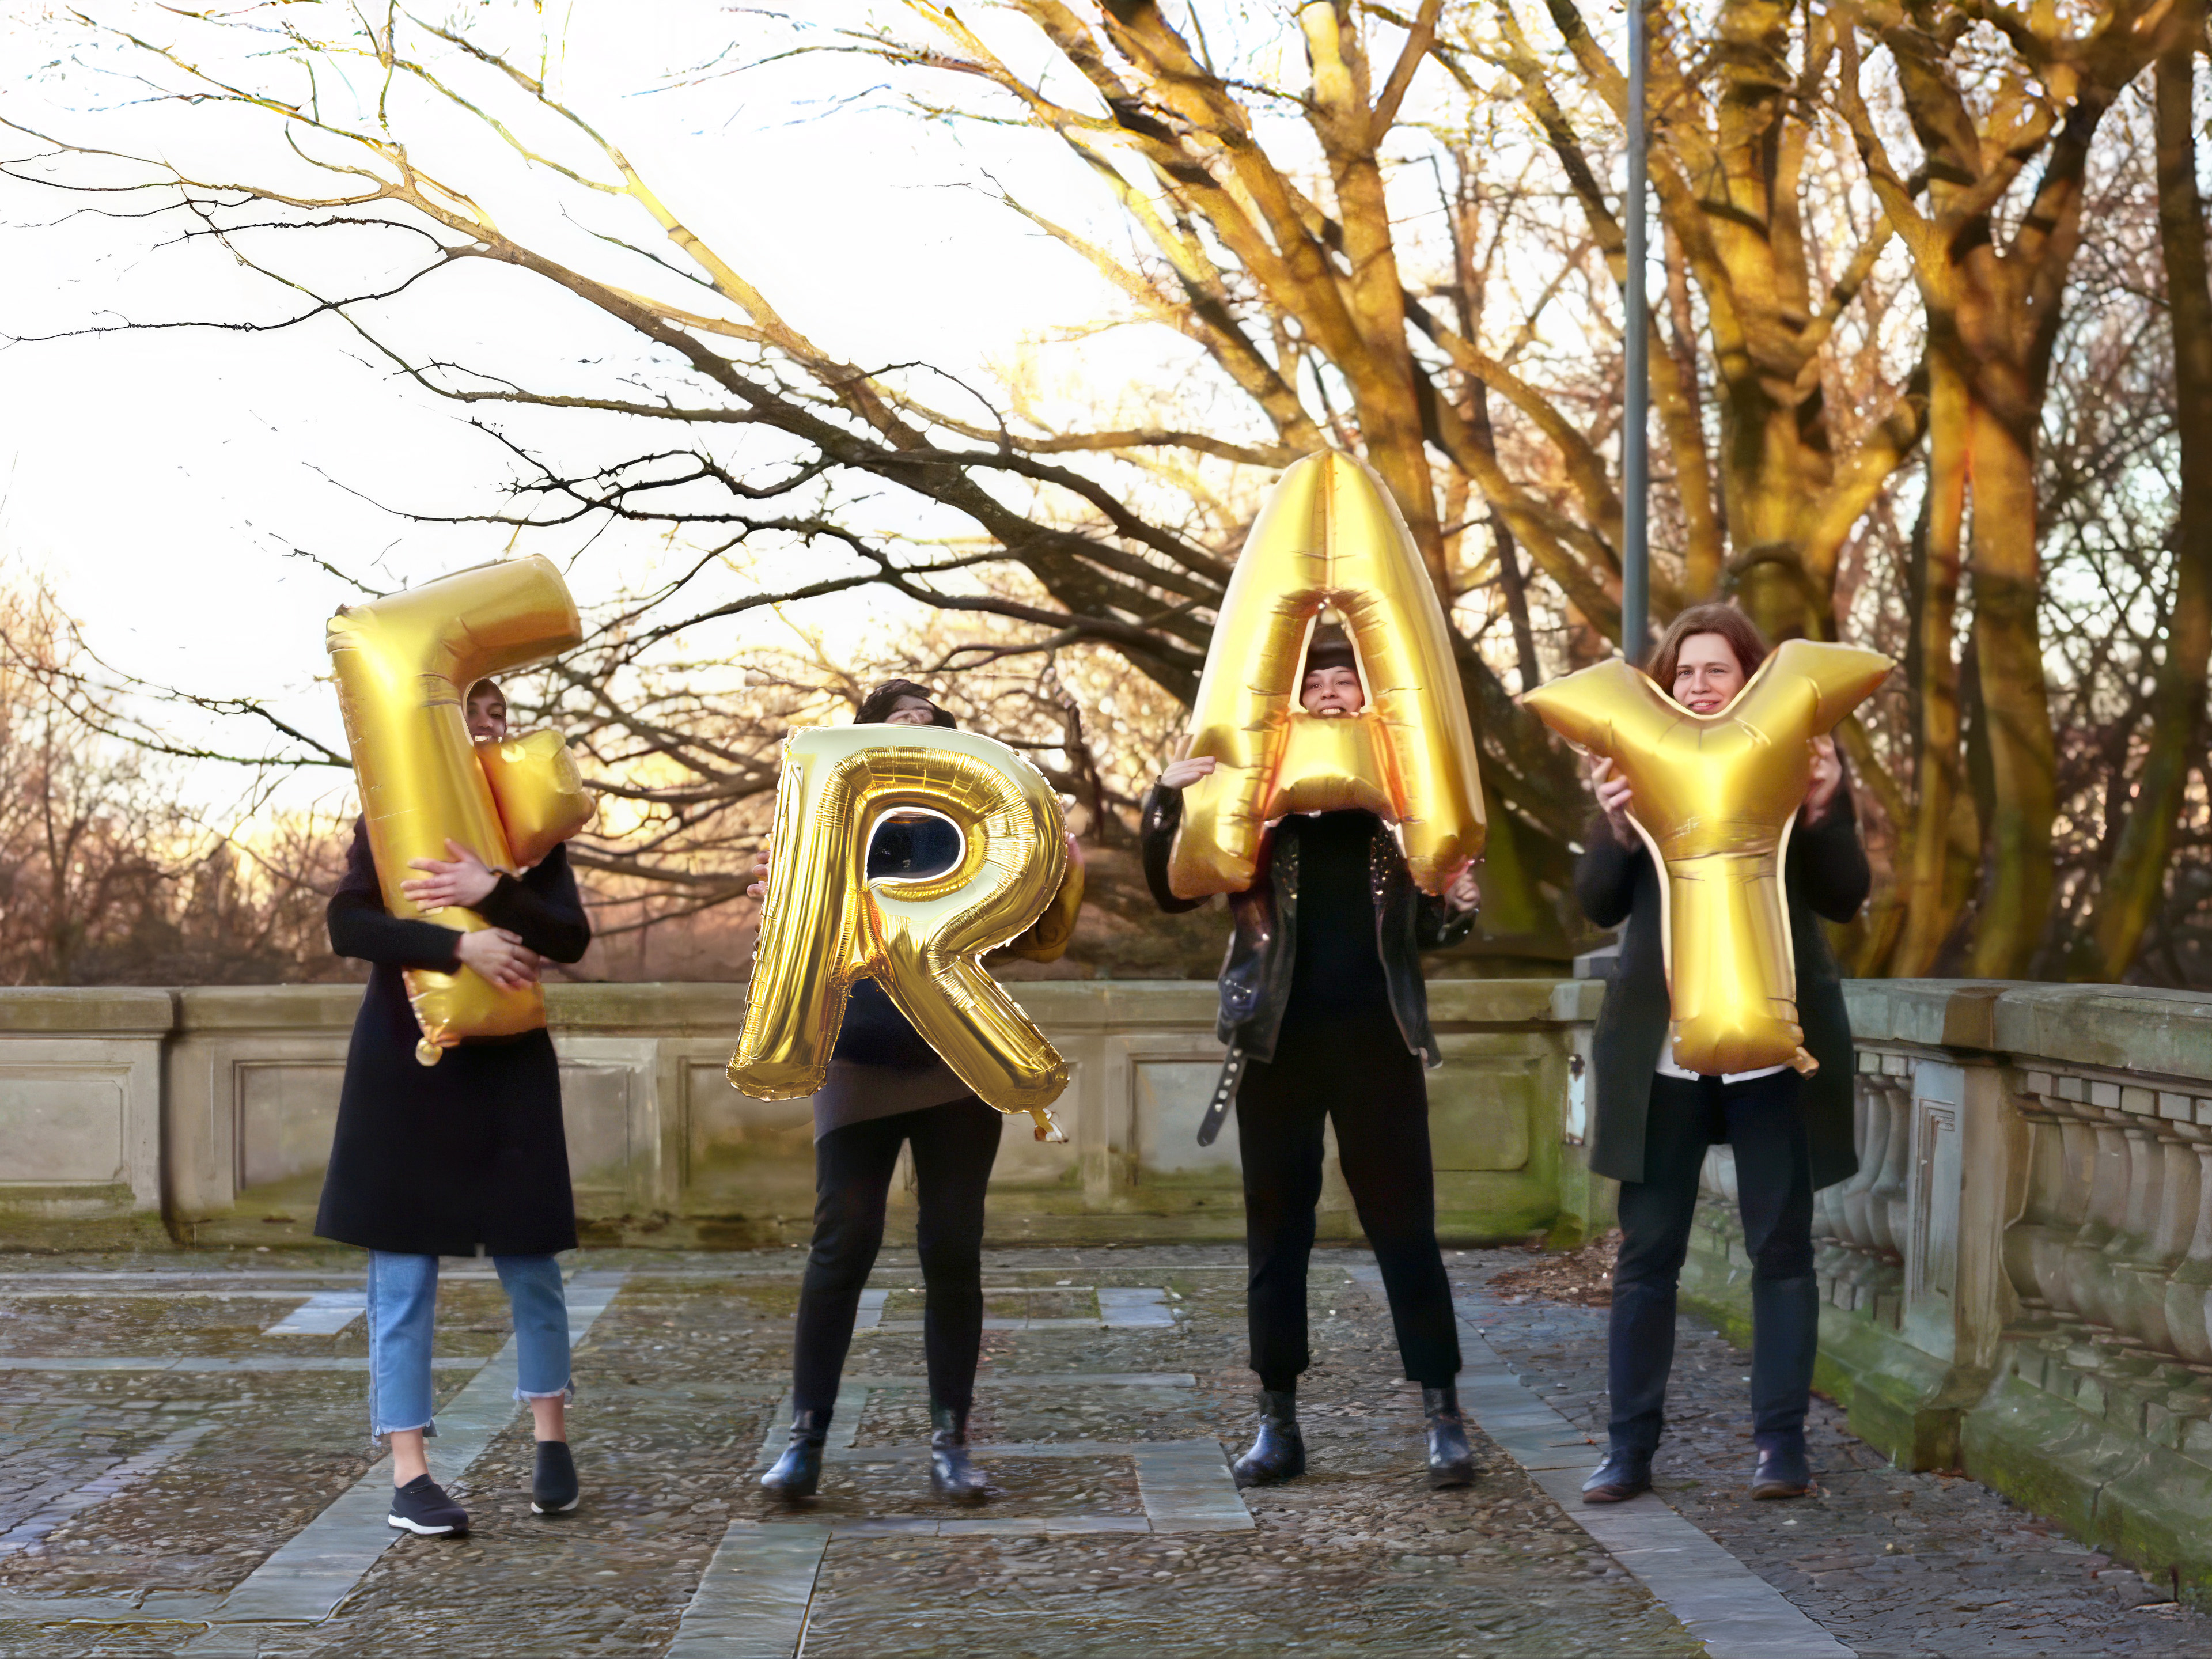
(159, 1446)
(1889, 1563)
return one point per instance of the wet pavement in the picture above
(184, 1469)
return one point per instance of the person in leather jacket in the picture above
(1323, 1000)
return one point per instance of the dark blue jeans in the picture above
(1761, 1119)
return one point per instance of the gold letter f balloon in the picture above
(825, 923)
(1716, 796)
(404, 663)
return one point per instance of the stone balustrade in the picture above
(203, 1116)
(2016, 1279)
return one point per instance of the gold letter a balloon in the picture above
(825, 923)
(1716, 796)
(1328, 536)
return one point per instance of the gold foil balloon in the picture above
(825, 923)
(538, 792)
(404, 663)
(1329, 538)
(1715, 796)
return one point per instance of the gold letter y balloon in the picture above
(1716, 796)
(825, 923)
(403, 664)
(1328, 536)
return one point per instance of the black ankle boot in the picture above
(1451, 1460)
(1623, 1475)
(1782, 1470)
(798, 1471)
(952, 1473)
(1279, 1451)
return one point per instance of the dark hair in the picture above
(483, 688)
(1331, 648)
(1741, 634)
(876, 708)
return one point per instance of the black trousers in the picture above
(1761, 1118)
(954, 1146)
(1357, 1073)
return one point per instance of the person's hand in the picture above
(1181, 774)
(1464, 893)
(1612, 795)
(1827, 779)
(463, 879)
(759, 888)
(1074, 852)
(500, 957)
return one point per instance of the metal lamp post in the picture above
(1635, 457)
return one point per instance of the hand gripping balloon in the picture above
(1329, 536)
(404, 663)
(825, 923)
(1714, 797)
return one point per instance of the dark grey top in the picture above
(881, 1064)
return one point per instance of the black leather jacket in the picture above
(1256, 974)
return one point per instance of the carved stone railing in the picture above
(2017, 1278)
(203, 1116)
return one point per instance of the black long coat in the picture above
(434, 1160)
(1827, 875)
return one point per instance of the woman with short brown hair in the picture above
(1654, 1121)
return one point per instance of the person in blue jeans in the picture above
(468, 1155)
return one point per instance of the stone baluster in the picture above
(2186, 1290)
(1855, 1199)
(1829, 1220)
(2051, 1213)
(2078, 1159)
(2137, 1278)
(2088, 1270)
(1891, 1208)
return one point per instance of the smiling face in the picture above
(1332, 691)
(487, 716)
(1706, 674)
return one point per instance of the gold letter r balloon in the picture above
(825, 923)
(1716, 796)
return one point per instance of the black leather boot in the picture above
(1621, 1477)
(798, 1471)
(1451, 1460)
(1782, 1470)
(952, 1473)
(1278, 1453)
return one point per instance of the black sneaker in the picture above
(555, 1491)
(422, 1507)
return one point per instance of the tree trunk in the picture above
(1924, 844)
(2135, 881)
(2023, 754)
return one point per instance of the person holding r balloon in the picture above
(888, 1088)
(1322, 993)
(1654, 1120)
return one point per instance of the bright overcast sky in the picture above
(157, 478)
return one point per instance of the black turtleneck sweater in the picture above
(1339, 968)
